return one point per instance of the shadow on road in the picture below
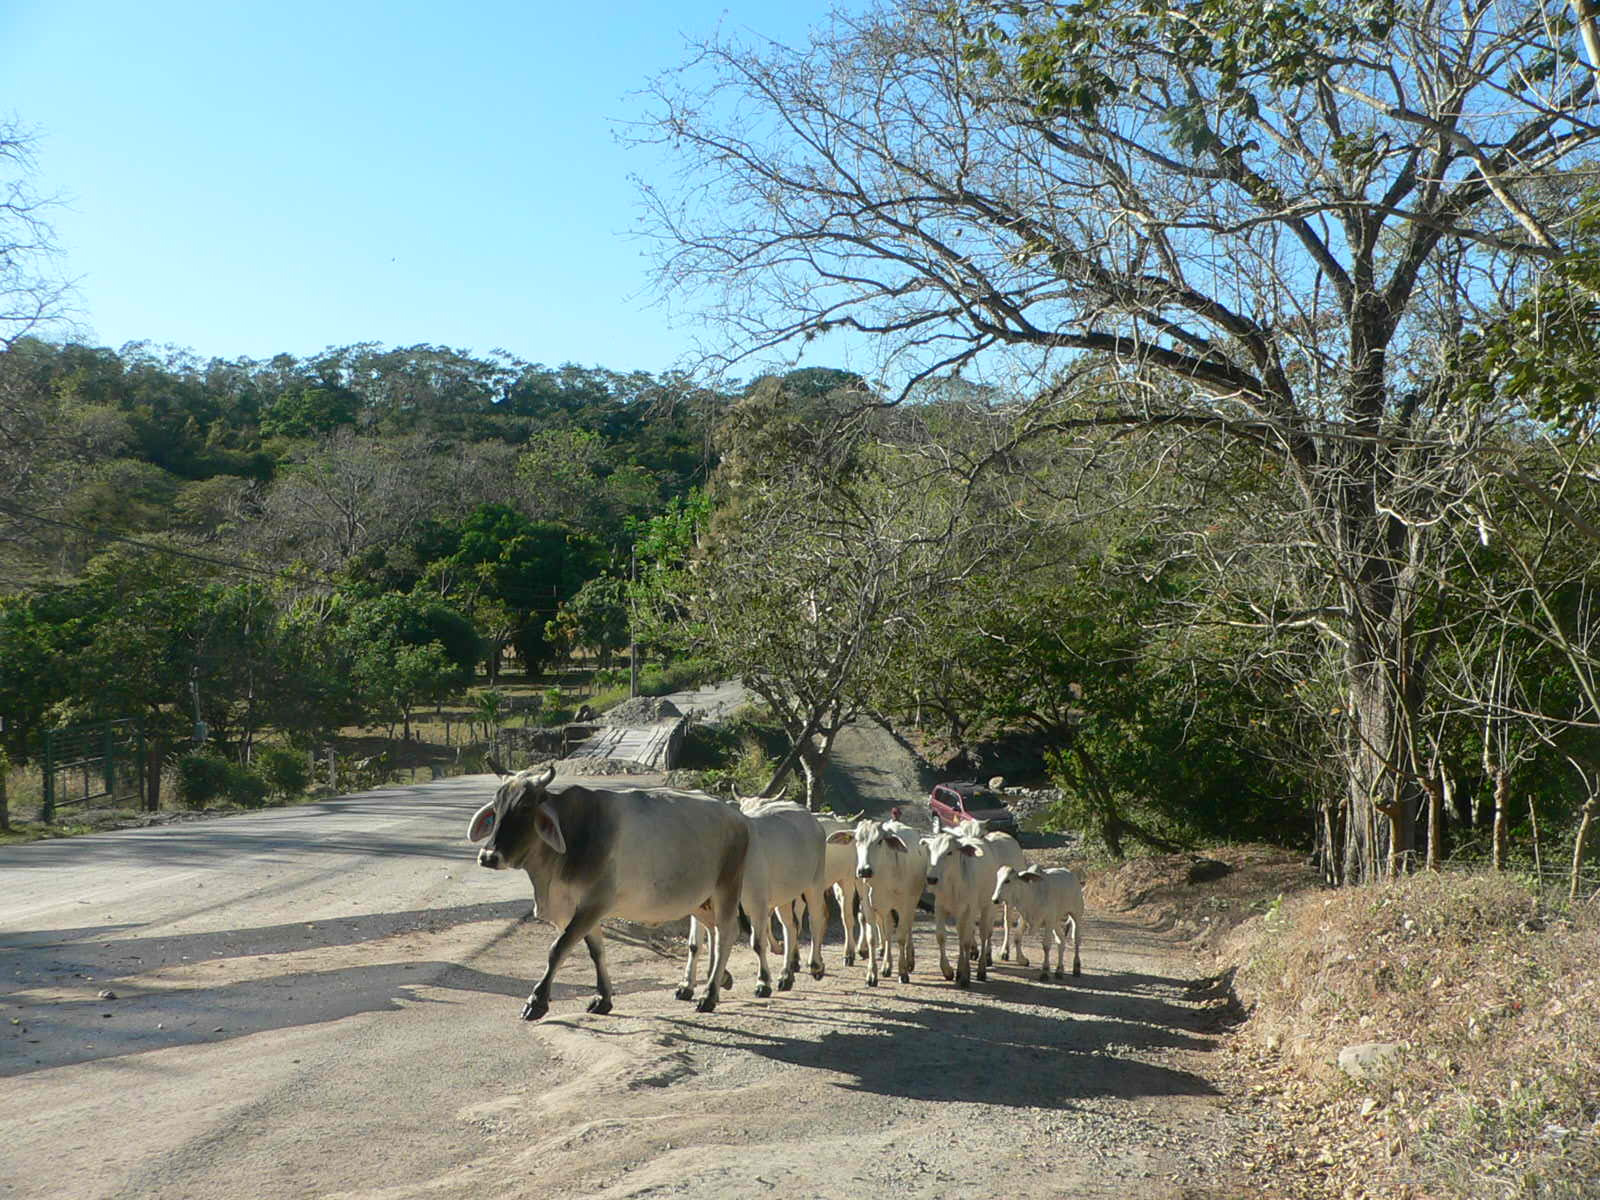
(946, 1047)
(47, 1029)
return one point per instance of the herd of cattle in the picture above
(655, 855)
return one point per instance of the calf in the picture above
(891, 864)
(643, 855)
(1047, 900)
(962, 874)
(1007, 853)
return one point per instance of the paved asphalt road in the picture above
(264, 1004)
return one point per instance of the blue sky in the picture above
(249, 179)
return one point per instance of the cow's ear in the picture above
(841, 837)
(894, 843)
(970, 850)
(548, 826)
(482, 823)
(1029, 873)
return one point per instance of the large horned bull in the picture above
(643, 855)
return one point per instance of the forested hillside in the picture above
(289, 546)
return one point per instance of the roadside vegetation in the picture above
(1229, 463)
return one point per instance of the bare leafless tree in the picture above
(1276, 243)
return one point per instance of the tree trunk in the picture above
(1434, 786)
(1579, 842)
(1501, 790)
(5, 807)
(152, 779)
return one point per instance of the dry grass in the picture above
(1496, 1003)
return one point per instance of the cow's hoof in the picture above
(817, 972)
(727, 979)
(600, 1004)
(1021, 962)
(872, 981)
(1061, 974)
(973, 955)
(763, 990)
(983, 976)
(1076, 971)
(948, 973)
(963, 983)
(1005, 956)
(1044, 976)
(684, 993)
(905, 976)
(849, 960)
(535, 1008)
(785, 982)
(709, 1004)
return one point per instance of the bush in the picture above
(246, 788)
(285, 772)
(203, 778)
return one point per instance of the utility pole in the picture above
(633, 639)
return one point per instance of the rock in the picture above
(1204, 870)
(1366, 1059)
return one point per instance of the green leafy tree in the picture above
(597, 617)
(515, 570)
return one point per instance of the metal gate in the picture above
(88, 762)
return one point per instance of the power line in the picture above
(232, 564)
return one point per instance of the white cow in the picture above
(1047, 900)
(643, 855)
(840, 875)
(786, 862)
(892, 865)
(961, 872)
(1007, 853)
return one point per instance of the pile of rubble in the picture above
(639, 711)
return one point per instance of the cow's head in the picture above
(519, 815)
(1009, 883)
(873, 841)
(941, 846)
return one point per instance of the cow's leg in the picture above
(817, 915)
(758, 942)
(984, 932)
(966, 949)
(1016, 941)
(877, 940)
(1005, 934)
(1077, 967)
(583, 921)
(938, 935)
(1045, 934)
(902, 932)
(724, 905)
(847, 917)
(791, 946)
(602, 978)
(692, 968)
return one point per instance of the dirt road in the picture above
(324, 1001)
